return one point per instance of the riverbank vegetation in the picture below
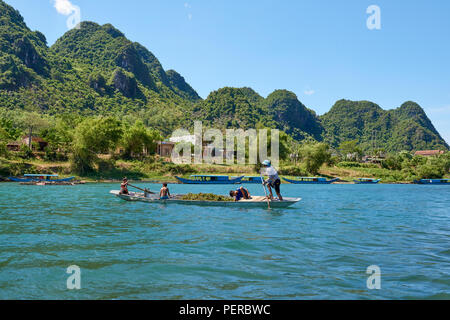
(103, 148)
(95, 103)
(307, 159)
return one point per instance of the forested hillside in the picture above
(97, 71)
(405, 128)
(94, 70)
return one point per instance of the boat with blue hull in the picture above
(433, 181)
(367, 181)
(210, 179)
(15, 179)
(256, 180)
(30, 178)
(311, 180)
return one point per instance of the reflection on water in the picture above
(319, 249)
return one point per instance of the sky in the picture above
(321, 50)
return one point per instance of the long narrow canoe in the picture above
(15, 179)
(367, 181)
(207, 179)
(433, 181)
(255, 202)
(311, 180)
(256, 180)
(40, 178)
(63, 180)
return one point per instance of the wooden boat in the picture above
(255, 202)
(433, 181)
(22, 180)
(36, 178)
(311, 180)
(52, 183)
(367, 181)
(209, 179)
(255, 179)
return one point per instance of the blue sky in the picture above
(321, 50)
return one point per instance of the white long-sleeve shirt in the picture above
(272, 173)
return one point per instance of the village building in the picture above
(165, 148)
(13, 146)
(429, 153)
(37, 143)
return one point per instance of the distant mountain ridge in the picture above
(404, 128)
(96, 70)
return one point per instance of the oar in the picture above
(145, 190)
(265, 191)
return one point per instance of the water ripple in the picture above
(320, 249)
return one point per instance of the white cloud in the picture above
(187, 5)
(64, 7)
(190, 16)
(309, 92)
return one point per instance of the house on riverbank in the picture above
(165, 148)
(37, 143)
(429, 153)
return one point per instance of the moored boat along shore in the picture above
(338, 176)
(153, 169)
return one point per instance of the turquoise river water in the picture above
(319, 249)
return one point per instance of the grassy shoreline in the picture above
(166, 172)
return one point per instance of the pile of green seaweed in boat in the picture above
(205, 197)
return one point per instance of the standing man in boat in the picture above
(124, 186)
(273, 181)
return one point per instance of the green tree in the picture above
(445, 160)
(350, 150)
(32, 122)
(4, 150)
(59, 136)
(138, 139)
(314, 155)
(94, 136)
(7, 131)
(430, 171)
(99, 135)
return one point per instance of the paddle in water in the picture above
(145, 190)
(265, 191)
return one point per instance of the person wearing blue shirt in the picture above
(240, 193)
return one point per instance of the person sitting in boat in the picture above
(240, 193)
(273, 181)
(124, 186)
(164, 194)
